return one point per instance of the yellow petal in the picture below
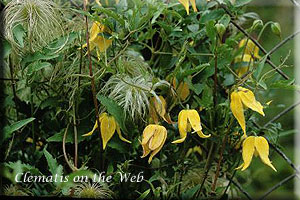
(189, 152)
(148, 133)
(97, 1)
(198, 150)
(269, 102)
(164, 135)
(262, 147)
(120, 134)
(92, 131)
(195, 122)
(182, 126)
(193, 2)
(241, 71)
(108, 128)
(237, 110)
(183, 91)
(201, 134)
(160, 105)
(248, 99)
(29, 140)
(248, 151)
(95, 30)
(146, 150)
(179, 140)
(101, 43)
(250, 49)
(157, 138)
(185, 3)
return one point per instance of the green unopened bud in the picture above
(276, 29)
(257, 24)
(220, 29)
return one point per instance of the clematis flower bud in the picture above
(276, 29)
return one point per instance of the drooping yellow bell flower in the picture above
(154, 137)
(159, 108)
(248, 55)
(254, 145)
(188, 119)
(108, 126)
(97, 40)
(186, 5)
(241, 98)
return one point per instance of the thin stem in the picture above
(231, 178)
(221, 155)
(64, 150)
(216, 75)
(206, 168)
(242, 190)
(13, 86)
(282, 113)
(277, 186)
(32, 115)
(262, 30)
(75, 137)
(92, 79)
(283, 42)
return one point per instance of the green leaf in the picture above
(207, 97)
(259, 68)
(36, 66)
(285, 84)
(58, 137)
(54, 167)
(114, 109)
(11, 169)
(211, 15)
(188, 194)
(211, 33)
(111, 14)
(239, 3)
(37, 56)
(225, 20)
(188, 72)
(8, 130)
(229, 80)
(19, 33)
(144, 195)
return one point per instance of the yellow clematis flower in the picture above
(254, 145)
(108, 126)
(159, 108)
(244, 98)
(97, 40)
(154, 137)
(186, 5)
(250, 53)
(188, 119)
